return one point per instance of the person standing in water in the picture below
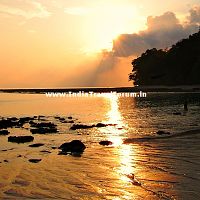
(186, 106)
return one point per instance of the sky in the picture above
(85, 43)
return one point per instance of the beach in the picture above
(138, 164)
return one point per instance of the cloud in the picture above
(195, 15)
(25, 8)
(162, 31)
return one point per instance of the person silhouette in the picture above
(186, 106)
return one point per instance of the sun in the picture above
(106, 22)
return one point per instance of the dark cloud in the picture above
(162, 31)
(195, 15)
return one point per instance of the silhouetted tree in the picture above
(179, 65)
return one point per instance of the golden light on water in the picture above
(125, 152)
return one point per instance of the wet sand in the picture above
(165, 168)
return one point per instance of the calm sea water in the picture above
(166, 169)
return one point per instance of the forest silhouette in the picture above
(178, 65)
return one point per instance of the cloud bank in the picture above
(162, 31)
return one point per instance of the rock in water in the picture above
(81, 126)
(163, 133)
(99, 125)
(105, 143)
(4, 132)
(75, 146)
(36, 145)
(34, 160)
(177, 113)
(43, 130)
(20, 139)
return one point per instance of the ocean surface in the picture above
(140, 164)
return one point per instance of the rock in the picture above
(34, 160)
(43, 125)
(36, 145)
(81, 126)
(100, 125)
(62, 119)
(12, 118)
(163, 133)
(23, 120)
(20, 139)
(5, 160)
(71, 121)
(105, 143)
(70, 117)
(43, 130)
(75, 146)
(177, 113)
(7, 123)
(45, 151)
(4, 132)
(57, 117)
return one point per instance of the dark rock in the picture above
(20, 139)
(43, 130)
(56, 117)
(43, 125)
(81, 126)
(101, 125)
(61, 119)
(23, 120)
(45, 151)
(41, 116)
(4, 132)
(34, 160)
(32, 123)
(5, 160)
(70, 117)
(177, 113)
(162, 133)
(19, 156)
(7, 123)
(36, 145)
(12, 118)
(105, 143)
(73, 146)
(54, 147)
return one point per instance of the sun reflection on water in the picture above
(116, 134)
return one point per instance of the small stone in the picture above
(36, 145)
(34, 160)
(163, 133)
(105, 143)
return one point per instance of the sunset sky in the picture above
(69, 43)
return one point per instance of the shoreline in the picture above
(193, 89)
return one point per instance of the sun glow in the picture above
(104, 23)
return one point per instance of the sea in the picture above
(139, 164)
